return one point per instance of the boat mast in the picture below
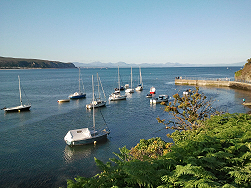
(98, 87)
(93, 104)
(118, 78)
(140, 77)
(131, 77)
(20, 91)
(79, 80)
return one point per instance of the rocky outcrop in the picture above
(245, 73)
(19, 63)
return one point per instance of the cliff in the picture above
(245, 73)
(20, 63)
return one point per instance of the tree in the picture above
(188, 110)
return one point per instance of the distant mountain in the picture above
(20, 63)
(125, 65)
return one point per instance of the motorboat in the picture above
(151, 93)
(22, 107)
(152, 90)
(187, 92)
(161, 98)
(86, 135)
(79, 94)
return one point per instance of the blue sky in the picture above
(131, 31)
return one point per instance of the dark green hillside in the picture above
(19, 63)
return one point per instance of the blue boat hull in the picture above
(78, 97)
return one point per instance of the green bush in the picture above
(215, 155)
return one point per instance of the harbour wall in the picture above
(214, 83)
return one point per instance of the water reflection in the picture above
(75, 153)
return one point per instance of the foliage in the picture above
(188, 110)
(217, 154)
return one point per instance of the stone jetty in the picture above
(220, 82)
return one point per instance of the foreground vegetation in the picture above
(209, 149)
(215, 155)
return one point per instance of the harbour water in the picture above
(32, 149)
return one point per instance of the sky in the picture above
(130, 31)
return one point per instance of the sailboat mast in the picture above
(79, 80)
(140, 76)
(93, 104)
(118, 78)
(20, 91)
(98, 87)
(131, 77)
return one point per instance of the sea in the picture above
(32, 148)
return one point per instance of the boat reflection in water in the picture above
(76, 153)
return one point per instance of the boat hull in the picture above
(77, 96)
(63, 100)
(18, 108)
(96, 105)
(116, 97)
(87, 141)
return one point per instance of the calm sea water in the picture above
(32, 150)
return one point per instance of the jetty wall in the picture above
(214, 83)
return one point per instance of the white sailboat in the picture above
(130, 90)
(86, 135)
(140, 85)
(116, 95)
(22, 107)
(79, 94)
(97, 102)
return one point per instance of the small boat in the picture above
(79, 94)
(149, 95)
(140, 85)
(64, 100)
(152, 90)
(20, 108)
(161, 98)
(130, 90)
(187, 92)
(86, 135)
(115, 96)
(97, 102)
(126, 86)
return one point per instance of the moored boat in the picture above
(115, 96)
(130, 90)
(63, 100)
(79, 94)
(22, 106)
(161, 98)
(97, 102)
(140, 85)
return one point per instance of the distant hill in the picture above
(125, 65)
(20, 63)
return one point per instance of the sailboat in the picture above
(79, 94)
(140, 85)
(86, 135)
(116, 95)
(97, 102)
(130, 90)
(22, 107)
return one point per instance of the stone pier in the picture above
(214, 83)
